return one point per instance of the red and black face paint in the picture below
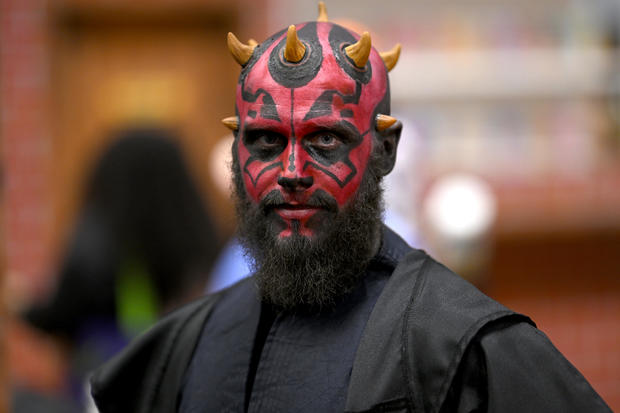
(306, 130)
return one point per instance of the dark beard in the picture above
(299, 273)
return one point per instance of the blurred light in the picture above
(460, 207)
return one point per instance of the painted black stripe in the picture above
(340, 183)
(265, 169)
(291, 158)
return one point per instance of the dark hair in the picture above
(144, 191)
(140, 203)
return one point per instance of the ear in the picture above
(386, 147)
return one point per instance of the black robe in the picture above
(412, 337)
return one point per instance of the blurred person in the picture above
(340, 313)
(143, 244)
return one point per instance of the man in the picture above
(341, 314)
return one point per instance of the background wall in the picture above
(523, 95)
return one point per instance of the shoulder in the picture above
(440, 300)
(417, 334)
(517, 366)
(435, 340)
(523, 368)
(445, 314)
(161, 353)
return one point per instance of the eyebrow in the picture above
(260, 122)
(340, 128)
(256, 127)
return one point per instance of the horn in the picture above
(322, 12)
(384, 121)
(360, 51)
(252, 43)
(295, 49)
(241, 52)
(231, 122)
(390, 58)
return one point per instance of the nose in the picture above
(295, 184)
(290, 179)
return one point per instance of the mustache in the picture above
(319, 199)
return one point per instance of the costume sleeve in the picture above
(515, 368)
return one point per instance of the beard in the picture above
(310, 273)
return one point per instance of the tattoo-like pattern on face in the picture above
(306, 129)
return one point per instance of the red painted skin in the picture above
(330, 76)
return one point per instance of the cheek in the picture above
(351, 171)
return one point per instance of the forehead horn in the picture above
(390, 58)
(240, 52)
(359, 51)
(322, 12)
(295, 49)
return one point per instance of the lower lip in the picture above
(296, 213)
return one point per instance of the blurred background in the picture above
(508, 170)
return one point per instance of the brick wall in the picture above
(568, 284)
(25, 131)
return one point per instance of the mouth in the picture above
(296, 211)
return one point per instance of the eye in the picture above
(325, 141)
(264, 144)
(265, 140)
(268, 139)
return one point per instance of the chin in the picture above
(315, 228)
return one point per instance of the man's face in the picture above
(306, 130)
